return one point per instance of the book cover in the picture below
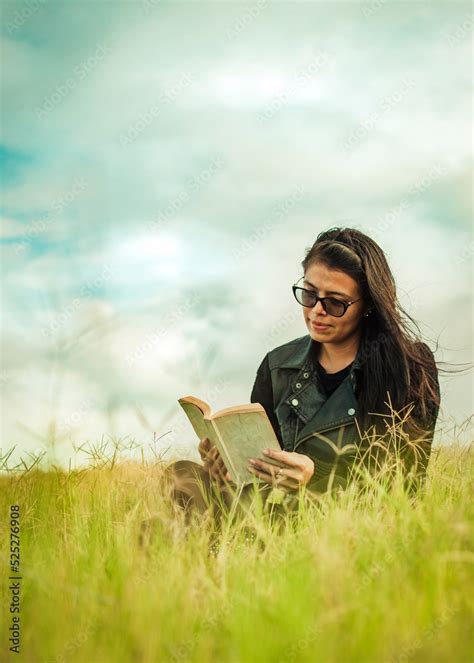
(239, 432)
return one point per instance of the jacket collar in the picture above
(302, 357)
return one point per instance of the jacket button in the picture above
(298, 385)
(351, 411)
(306, 375)
(294, 401)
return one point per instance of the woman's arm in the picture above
(299, 468)
(262, 393)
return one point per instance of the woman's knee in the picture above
(185, 467)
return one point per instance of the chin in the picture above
(317, 335)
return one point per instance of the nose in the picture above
(318, 307)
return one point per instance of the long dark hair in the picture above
(399, 372)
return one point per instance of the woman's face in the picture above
(327, 282)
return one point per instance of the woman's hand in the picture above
(204, 448)
(298, 471)
(213, 462)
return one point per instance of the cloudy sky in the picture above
(165, 167)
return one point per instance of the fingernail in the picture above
(252, 461)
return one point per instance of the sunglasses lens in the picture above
(334, 307)
(308, 298)
(304, 297)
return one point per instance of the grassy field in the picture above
(378, 577)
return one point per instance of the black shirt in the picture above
(331, 381)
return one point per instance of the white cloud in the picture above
(9, 228)
(246, 306)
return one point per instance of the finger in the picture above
(210, 455)
(218, 472)
(222, 470)
(286, 457)
(273, 470)
(219, 477)
(216, 464)
(277, 482)
(204, 445)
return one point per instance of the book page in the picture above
(245, 436)
(202, 427)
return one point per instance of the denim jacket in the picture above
(303, 417)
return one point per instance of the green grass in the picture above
(373, 577)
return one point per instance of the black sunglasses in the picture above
(332, 306)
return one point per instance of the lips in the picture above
(318, 325)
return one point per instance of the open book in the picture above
(240, 432)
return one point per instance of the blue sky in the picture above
(165, 166)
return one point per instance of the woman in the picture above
(359, 382)
(360, 373)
